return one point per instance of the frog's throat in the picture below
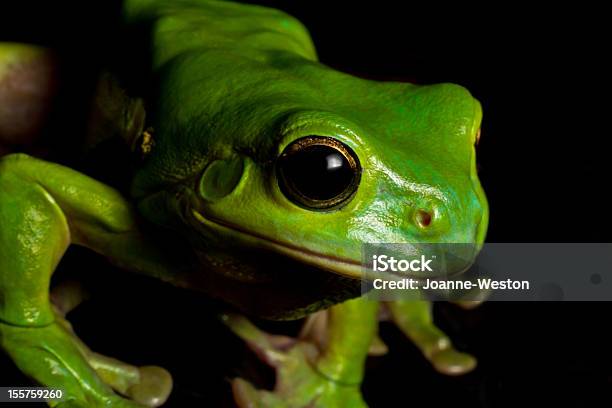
(342, 266)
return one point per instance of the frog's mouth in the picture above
(317, 280)
(343, 266)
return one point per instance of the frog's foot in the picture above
(49, 355)
(298, 382)
(148, 385)
(414, 319)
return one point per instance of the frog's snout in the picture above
(462, 221)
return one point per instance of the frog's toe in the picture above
(147, 385)
(268, 347)
(453, 362)
(153, 388)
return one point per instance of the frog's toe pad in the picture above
(153, 388)
(452, 362)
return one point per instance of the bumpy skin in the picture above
(234, 85)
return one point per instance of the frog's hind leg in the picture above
(414, 319)
(44, 207)
(28, 81)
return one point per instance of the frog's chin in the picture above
(342, 266)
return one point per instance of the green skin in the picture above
(235, 85)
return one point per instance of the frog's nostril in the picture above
(423, 218)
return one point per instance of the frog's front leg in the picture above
(414, 318)
(45, 207)
(311, 373)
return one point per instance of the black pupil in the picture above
(317, 172)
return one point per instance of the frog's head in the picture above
(310, 164)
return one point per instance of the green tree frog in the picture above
(261, 173)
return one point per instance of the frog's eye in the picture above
(318, 173)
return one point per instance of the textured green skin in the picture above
(236, 84)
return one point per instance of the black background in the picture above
(540, 76)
